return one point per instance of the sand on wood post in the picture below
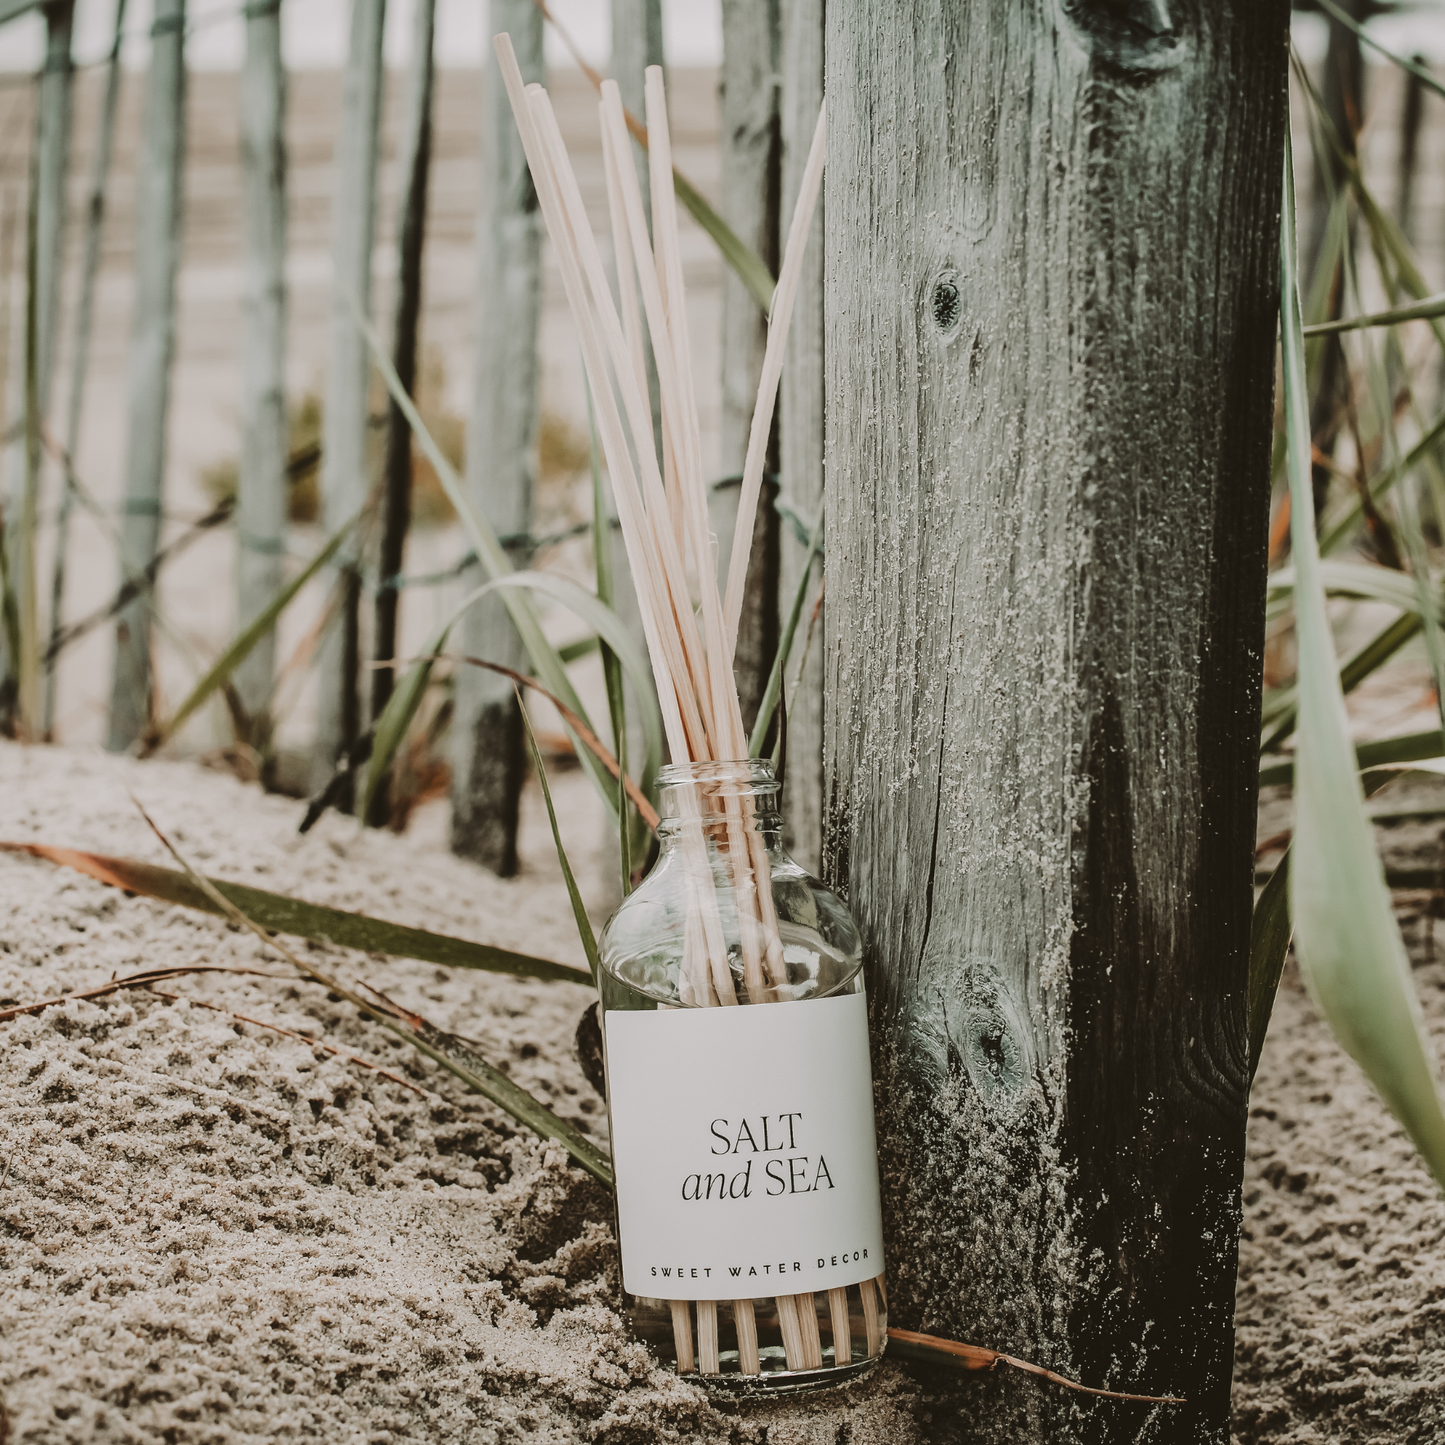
(1049, 352)
(396, 469)
(152, 350)
(261, 482)
(800, 448)
(488, 764)
(345, 469)
(80, 351)
(749, 137)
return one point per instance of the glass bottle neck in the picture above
(718, 796)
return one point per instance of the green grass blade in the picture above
(1347, 938)
(390, 729)
(1340, 531)
(1385, 752)
(749, 267)
(571, 652)
(301, 919)
(1431, 306)
(546, 660)
(1269, 936)
(613, 631)
(1281, 717)
(1361, 580)
(1418, 71)
(584, 924)
(250, 635)
(611, 666)
(401, 708)
(769, 705)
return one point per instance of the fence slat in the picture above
(344, 470)
(261, 482)
(152, 350)
(80, 354)
(488, 762)
(396, 506)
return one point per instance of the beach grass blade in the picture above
(1407, 748)
(1269, 936)
(484, 541)
(611, 665)
(248, 637)
(747, 265)
(773, 691)
(401, 708)
(1420, 72)
(579, 911)
(1347, 939)
(295, 916)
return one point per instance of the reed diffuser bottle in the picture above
(747, 1185)
(742, 1136)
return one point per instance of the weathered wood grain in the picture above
(800, 423)
(1051, 299)
(489, 764)
(261, 478)
(152, 348)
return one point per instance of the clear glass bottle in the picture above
(742, 1136)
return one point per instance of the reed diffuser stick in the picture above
(842, 1330)
(778, 321)
(707, 1347)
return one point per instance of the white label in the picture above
(743, 1144)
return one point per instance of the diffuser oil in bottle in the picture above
(742, 1134)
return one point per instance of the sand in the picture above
(210, 1232)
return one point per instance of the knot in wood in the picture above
(1135, 35)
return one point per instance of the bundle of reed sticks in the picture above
(662, 506)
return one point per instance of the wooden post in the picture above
(80, 351)
(152, 348)
(801, 425)
(489, 765)
(345, 478)
(1051, 286)
(261, 490)
(396, 501)
(750, 178)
